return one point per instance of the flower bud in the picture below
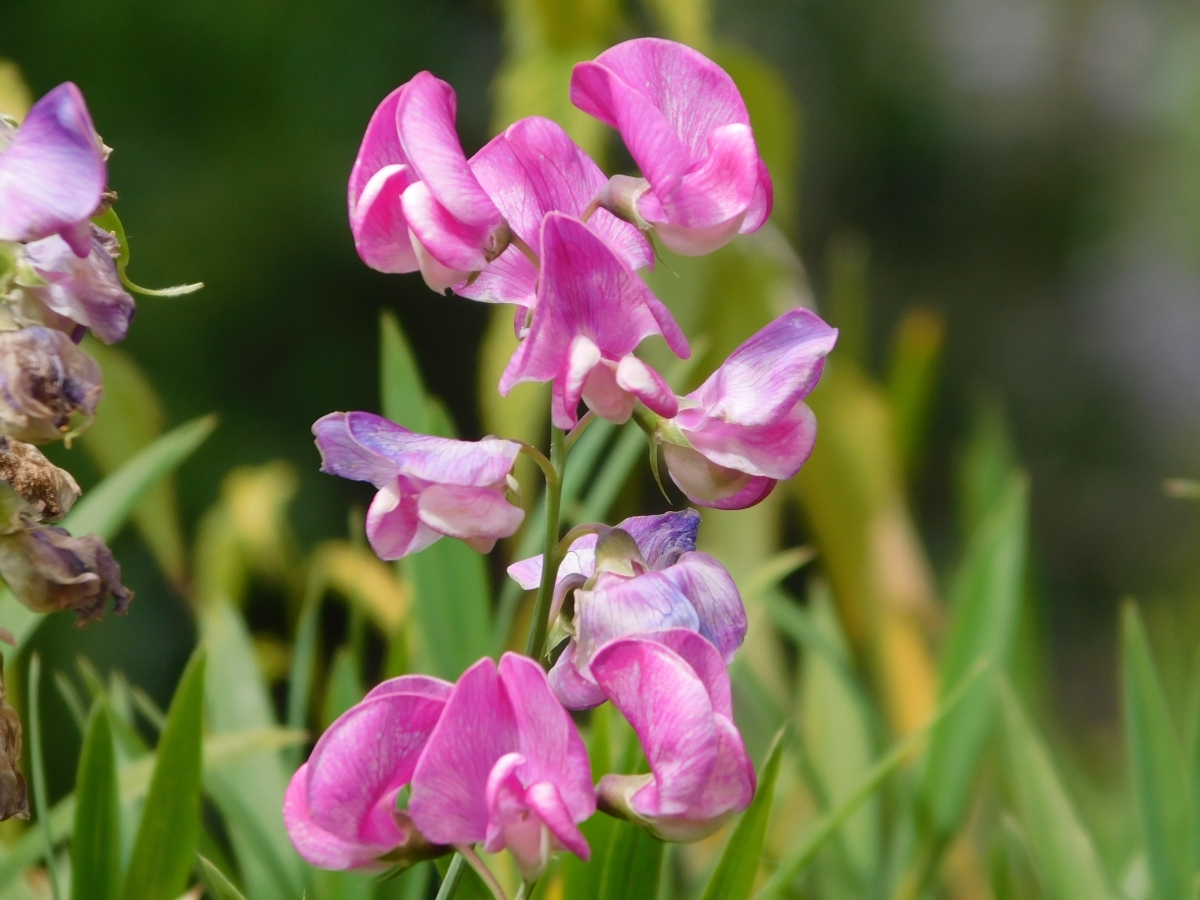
(44, 380)
(49, 490)
(49, 571)
(14, 796)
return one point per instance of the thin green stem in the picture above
(547, 467)
(453, 876)
(485, 874)
(580, 427)
(536, 645)
(39, 771)
(575, 534)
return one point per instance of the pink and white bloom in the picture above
(414, 201)
(531, 169)
(747, 427)
(428, 486)
(591, 313)
(52, 173)
(505, 766)
(341, 808)
(85, 290)
(638, 578)
(674, 690)
(686, 126)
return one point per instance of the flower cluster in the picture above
(632, 614)
(58, 280)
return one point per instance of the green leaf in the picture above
(166, 838)
(96, 843)
(986, 604)
(401, 390)
(109, 221)
(450, 600)
(1159, 776)
(837, 735)
(734, 875)
(342, 688)
(916, 351)
(38, 761)
(221, 886)
(634, 862)
(249, 793)
(1064, 853)
(130, 417)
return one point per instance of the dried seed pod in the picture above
(49, 490)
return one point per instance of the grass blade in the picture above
(633, 866)
(96, 841)
(402, 393)
(733, 878)
(39, 769)
(1159, 775)
(450, 598)
(166, 838)
(1066, 858)
(222, 887)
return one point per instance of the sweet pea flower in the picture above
(687, 128)
(85, 290)
(747, 427)
(674, 690)
(590, 315)
(428, 486)
(531, 169)
(52, 172)
(506, 766)
(341, 808)
(414, 201)
(638, 578)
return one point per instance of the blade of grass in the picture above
(39, 769)
(221, 886)
(96, 841)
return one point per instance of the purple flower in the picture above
(506, 766)
(674, 690)
(44, 380)
(428, 486)
(641, 577)
(83, 289)
(342, 806)
(685, 124)
(532, 169)
(414, 201)
(52, 173)
(590, 315)
(747, 427)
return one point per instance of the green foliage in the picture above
(632, 864)
(166, 839)
(96, 841)
(217, 882)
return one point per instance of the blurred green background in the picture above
(1030, 169)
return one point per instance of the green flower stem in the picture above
(536, 645)
(453, 876)
(485, 874)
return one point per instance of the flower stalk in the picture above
(536, 645)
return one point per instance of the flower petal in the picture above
(455, 245)
(380, 148)
(381, 233)
(776, 450)
(52, 172)
(546, 800)
(85, 290)
(394, 527)
(571, 688)
(468, 513)
(343, 456)
(510, 278)
(643, 382)
(313, 843)
(712, 591)
(477, 727)
(619, 606)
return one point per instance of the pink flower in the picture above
(414, 202)
(638, 578)
(85, 290)
(747, 427)
(505, 766)
(532, 169)
(341, 807)
(674, 690)
(52, 173)
(428, 486)
(591, 313)
(685, 124)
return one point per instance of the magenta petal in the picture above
(52, 172)
(394, 527)
(420, 685)
(619, 606)
(468, 513)
(643, 382)
(425, 121)
(433, 459)
(477, 727)
(776, 451)
(765, 377)
(87, 290)
(343, 456)
(380, 147)
(549, 741)
(313, 843)
(571, 688)
(454, 244)
(764, 200)
(509, 822)
(663, 538)
(546, 800)
(711, 590)
(511, 278)
(706, 661)
(378, 224)
(670, 710)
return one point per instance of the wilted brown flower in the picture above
(14, 796)
(49, 570)
(44, 380)
(49, 490)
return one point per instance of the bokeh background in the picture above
(1029, 169)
